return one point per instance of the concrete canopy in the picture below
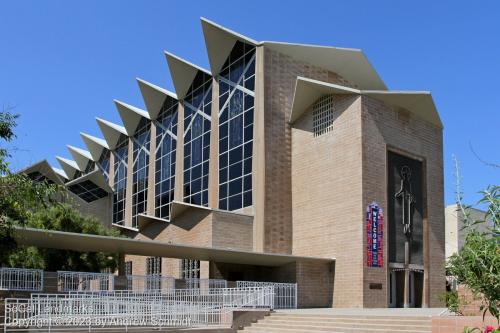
(69, 166)
(154, 97)
(81, 156)
(419, 103)
(95, 145)
(95, 177)
(219, 42)
(183, 73)
(94, 243)
(45, 169)
(351, 64)
(111, 132)
(131, 116)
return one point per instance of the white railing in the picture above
(150, 282)
(285, 294)
(205, 284)
(127, 309)
(84, 281)
(21, 279)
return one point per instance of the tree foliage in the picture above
(477, 264)
(64, 217)
(24, 202)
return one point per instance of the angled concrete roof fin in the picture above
(44, 168)
(131, 115)
(183, 73)
(81, 156)
(351, 64)
(419, 103)
(60, 173)
(219, 42)
(95, 145)
(111, 132)
(69, 166)
(154, 97)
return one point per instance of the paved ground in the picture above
(372, 312)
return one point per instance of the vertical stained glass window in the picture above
(120, 180)
(141, 141)
(236, 110)
(197, 122)
(166, 141)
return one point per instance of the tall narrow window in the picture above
(166, 141)
(236, 110)
(120, 180)
(190, 269)
(103, 163)
(128, 267)
(153, 271)
(197, 111)
(140, 171)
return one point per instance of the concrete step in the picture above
(409, 321)
(325, 330)
(344, 327)
(357, 317)
(318, 322)
(347, 323)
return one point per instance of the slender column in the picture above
(111, 179)
(179, 158)
(111, 183)
(258, 162)
(129, 187)
(151, 171)
(425, 227)
(213, 176)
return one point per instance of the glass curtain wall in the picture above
(166, 141)
(197, 122)
(236, 109)
(103, 163)
(120, 155)
(140, 174)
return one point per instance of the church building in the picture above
(280, 162)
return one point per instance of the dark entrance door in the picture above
(405, 223)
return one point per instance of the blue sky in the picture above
(63, 62)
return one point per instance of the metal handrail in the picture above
(21, 279)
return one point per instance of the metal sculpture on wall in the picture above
(408, 199)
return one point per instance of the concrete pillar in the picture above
(150, 209)
(213, 173)
(258, 161)
(129, 186)
(179, 158)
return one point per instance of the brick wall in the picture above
(280, 73)
(314, 284)
(326, 179)
(197, 227)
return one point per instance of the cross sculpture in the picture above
(408, 199)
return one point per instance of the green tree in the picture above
(64, 217)
(477, 264)
(24, 202)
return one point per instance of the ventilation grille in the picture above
(323, 115)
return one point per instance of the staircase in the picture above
(297, 322)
